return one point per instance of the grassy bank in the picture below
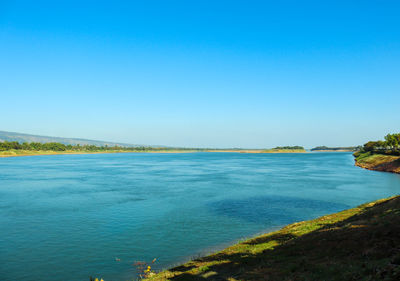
(381, 155)
(378, 162)
(362, 243)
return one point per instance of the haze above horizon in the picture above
(250, 74)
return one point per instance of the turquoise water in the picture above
(69, 216)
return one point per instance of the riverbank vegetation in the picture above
(14, 148)
(56, 146)
(389, 146)
(336, 149)
(380, 155)
(356, 244)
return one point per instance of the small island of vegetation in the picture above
(382, 155)
(285, 149)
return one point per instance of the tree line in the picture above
(289, 147)
(391, 145)
(56, 146)
(349, 148)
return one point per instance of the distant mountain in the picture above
(11, 136)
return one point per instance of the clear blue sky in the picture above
(202, 73)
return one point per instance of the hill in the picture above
(12, 136)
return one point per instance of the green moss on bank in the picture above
(362, 243)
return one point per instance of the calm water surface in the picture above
(69, 216)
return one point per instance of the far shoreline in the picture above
(6, 154)
(331, 150)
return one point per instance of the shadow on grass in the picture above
(182, 268)
(365, 246)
